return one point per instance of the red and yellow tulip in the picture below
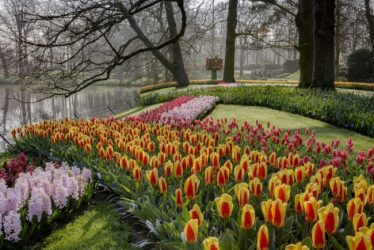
(369, 232)
(370, 195)
(137, 173)
(329, 215)
(278, 213)
(248, 217)
(318, 235)
(297, 246)
(211, 243)
(360, 241)
(162, 185)
(224, 205)
(178, 197)
(190, 187)
(359, 221)
(311, 209)
(242, 193)
(152, 176)
(255, 186)
(282, 192)
(195, 213)
(191, 231)
(263, 242)
(354, 206)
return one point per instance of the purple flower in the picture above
(1, 225)
(12, 226)
(13, 200)
(3, 186)
(73, 188)
(86, 173)
(23, 190)
(3, 203)
(59, 195)
(39, 203)
(76, 170)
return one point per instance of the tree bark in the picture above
(4, 63)
(179, 72)
(305, 24)
(323, 75)
(370, 19)
(229, 70)
(241, 58)
(337, 39)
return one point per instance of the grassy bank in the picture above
(346, 110)
(284, 120)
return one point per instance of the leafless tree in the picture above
(86, 36)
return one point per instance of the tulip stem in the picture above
(279, 238)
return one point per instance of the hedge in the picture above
(345, 85)
(347, 110)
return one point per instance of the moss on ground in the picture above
(284, 120)
(97, 228)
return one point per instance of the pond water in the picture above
(94, 101)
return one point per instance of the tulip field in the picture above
(216, 184)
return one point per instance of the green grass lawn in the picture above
(137, 110)
(294, 76)
(97, 228)
(284, 120)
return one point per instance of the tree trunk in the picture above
(323, 75)
(213, 31)
(6, 108)
(229, 70)
(177, 67)
(305, 25)
(241, 58)
(4, 63)
(337, 39)
(179, 72)
(370, 19)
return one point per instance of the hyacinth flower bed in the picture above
(218, 185)
(179, 112)
(37, 198)
(228, 84)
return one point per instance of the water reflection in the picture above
(95, 101)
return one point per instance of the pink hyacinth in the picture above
(12, 226)
(59, 195)
(39, 204)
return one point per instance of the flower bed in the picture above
(39, 198)
(222, 185)
(180, 112)
(330, 106)
(186, 113)
(228, 84)
(154, 115)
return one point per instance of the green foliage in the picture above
(347, 110)
(361, 66)
(5, 157)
